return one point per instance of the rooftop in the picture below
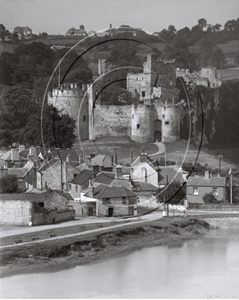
(84, 176)
(210, 182)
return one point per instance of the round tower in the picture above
(141, 123)
(171, 123)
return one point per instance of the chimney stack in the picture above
(207, 175)
(14, 154)
(91, 189)
(21, 148)
(32, 151)
(118, 172)
(115, 157)
(68, 159)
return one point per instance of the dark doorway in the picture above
(158, 130)
(110, 212)
(90, 211)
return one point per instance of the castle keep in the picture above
(156, 117)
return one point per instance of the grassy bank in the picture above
(71, 251)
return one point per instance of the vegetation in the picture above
(209, 198)
(172, 193)
(9, 184)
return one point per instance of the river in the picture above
(204, 268)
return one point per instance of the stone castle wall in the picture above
(111, 120)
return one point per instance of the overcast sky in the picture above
(57, 16)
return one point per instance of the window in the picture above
(132, 116)
(138, 126)
(215, 191)
(41, 204)
(69, 186)
(143, 93)
(166, 122)
(76, 189)
(123, 200)
(195, 192)
(84, 118)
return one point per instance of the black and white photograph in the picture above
(119, 149)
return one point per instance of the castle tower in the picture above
(71, 100)
(171, 123)
(141, 123)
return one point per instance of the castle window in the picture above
(84, 118)
(163, 115)
(132, 116)
(138, 126)
(143, 93)
(166, 122)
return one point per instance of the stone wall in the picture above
(141, 120)
(52, 217)
(15, 212)
(112, 120)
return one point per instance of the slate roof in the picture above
(48, 165)
(22, 196)
(145, 186)
(83, 177)
(63, 154)
(171, 172)
(66, 195)
(103, 191)
(210, 182)
(105, 177)
(101, 160)
(6, 155)
(21, 172)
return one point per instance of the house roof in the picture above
(84, 176)
(6, 155)
(48, 165)
(210, 182)
(62, 154)
(169, 173)
(145, 186)
(105, 177)
(103, 191)
(63, 194)
(101, 160)
(23, 196)
(19, 172)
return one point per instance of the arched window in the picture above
(143, 174)
(138, 126)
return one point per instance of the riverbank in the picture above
(71, 251)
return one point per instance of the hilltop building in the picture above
(77, 32)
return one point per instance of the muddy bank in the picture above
(77, 250)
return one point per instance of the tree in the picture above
(172, 190)
(2, 32)
(56, 130)
(9, 184)
(15, 107)
(209, 198)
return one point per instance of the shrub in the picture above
(209, 198)
(9, 184)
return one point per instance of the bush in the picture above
(209, 198)
(9, 184)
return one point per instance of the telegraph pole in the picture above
(220, 158)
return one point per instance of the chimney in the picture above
(81, 159)
(118, 172)
(92, 155)
(32, 151)
(115, 157)
(132, 155)
(68, 159)
(91, 189)
(88, 161)
(21, 147)
(14, 154)
(207, 175)
(143, 157)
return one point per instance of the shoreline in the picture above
(52, 256)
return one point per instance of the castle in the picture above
(155, 118)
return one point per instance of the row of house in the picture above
(93, 185)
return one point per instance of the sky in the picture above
(57, 16)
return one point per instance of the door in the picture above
(110, 212)
(158, 130)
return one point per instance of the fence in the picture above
(214, 207)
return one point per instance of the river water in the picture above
(204, 268)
